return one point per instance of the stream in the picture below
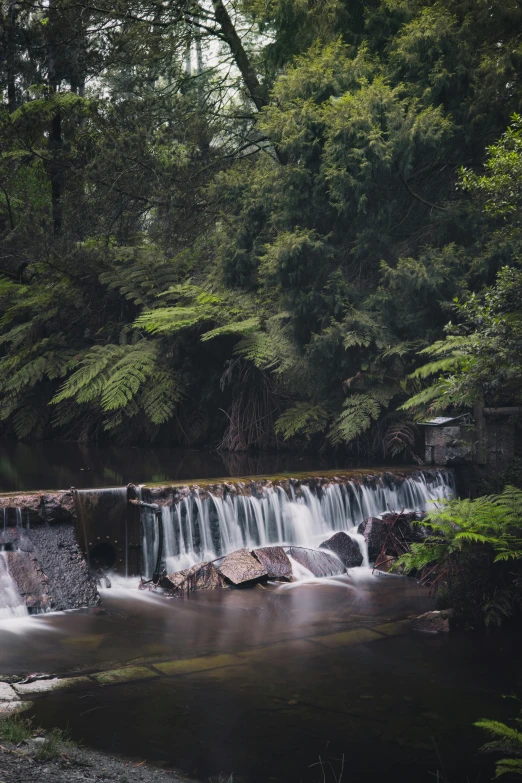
(320, 680)
(291, 674)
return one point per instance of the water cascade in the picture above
(11, 602)
(204, 525)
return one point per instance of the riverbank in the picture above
(20, 763)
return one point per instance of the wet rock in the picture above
(7, 693)
(375, 532)
(70, 586)
(275, 562)
(346, 549)
(319, 562)
(58, 507)
(30, 580)
(433, 622)
(37, 508)
(240, 567)
(202, 576)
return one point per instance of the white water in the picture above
(11, 602)
(198, 529)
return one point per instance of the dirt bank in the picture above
(18, 764)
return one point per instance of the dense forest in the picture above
(258, 224)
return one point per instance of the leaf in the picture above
(359, 412)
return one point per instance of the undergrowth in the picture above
(56, 743)
(17, 729)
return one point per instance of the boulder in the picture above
(346, 549)
(241, 567)
(202, 576)
(319, 562)
(374, 531)
(275, 562)
(433, 622)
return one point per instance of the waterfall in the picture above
(11, 602)
(198, 529)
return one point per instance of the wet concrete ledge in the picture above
(54, 506)
(14, 695)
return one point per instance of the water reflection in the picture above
(396, 707)
(52, 465)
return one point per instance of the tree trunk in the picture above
(241, 59)
(55, 131)
(10, 54)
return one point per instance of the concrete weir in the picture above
(58, 544)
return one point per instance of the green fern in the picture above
(238, 327)
(507, 740)
(304, 418)
(159, 398)
(461, 529)
(359, 412)
(113, 375)
(260, 349)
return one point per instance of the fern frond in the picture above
(238, 327)
(127, 376)
(159, 398)
(434, 392)
(508, 767)
(359, 412)
(501, 730)
(449, 345)
(303, 418)
(433, 368)
(260, 349)
(165, 320)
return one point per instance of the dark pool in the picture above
(55, 465)
(309, 679)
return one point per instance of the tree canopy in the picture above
(249, 225)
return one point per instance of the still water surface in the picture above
(53, 465)
(395, 707)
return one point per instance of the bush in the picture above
(472, 557)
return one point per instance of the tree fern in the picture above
(359, 410)
(304, 418)
(112, 375)
(158, 398)
(128, 375)
(260, 349)
(235, 327)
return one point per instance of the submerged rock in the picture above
(346, 549)
(275, 562)
(319, 562)
(433, 622)
(241, 567)
(202, 576)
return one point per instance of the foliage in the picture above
(507, 740)
(241, 227)
(472, 553)
(56, 741)
(480, 357)
(15, 728)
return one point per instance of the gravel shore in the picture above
(19, 765)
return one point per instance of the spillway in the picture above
(204, 525)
